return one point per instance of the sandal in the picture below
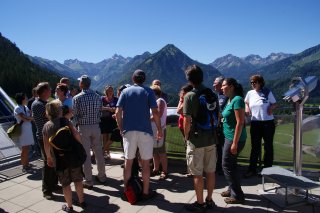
(231, 200)
(163, 176)
(226, 194)
(66, 208)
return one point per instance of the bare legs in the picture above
(145, 174)
(68, 193)
(106, 143)
(25, 156)
(160, 159)
(198, 186)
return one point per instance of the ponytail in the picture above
(238, 89)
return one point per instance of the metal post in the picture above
(297, 146)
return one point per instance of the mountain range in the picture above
(242, 68)
(167, 64)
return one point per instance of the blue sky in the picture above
(93, 30)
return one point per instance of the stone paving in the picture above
(23, 194)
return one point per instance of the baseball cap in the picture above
(85, 79)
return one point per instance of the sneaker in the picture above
(196, 207)
(66, 208)
(26, 169)
(107, 156)
(225, 194)
(82, 205)
(48, 196)
(99, 181)
(210, 204)
(57, 188)
(231, 200)
(87, 186)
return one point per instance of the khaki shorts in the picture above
(136, 139)
(201, 159)
(162, 149)
(69, 175)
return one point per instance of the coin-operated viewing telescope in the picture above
(298, 94)
(300, 88)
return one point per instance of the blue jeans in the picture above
(229, 166)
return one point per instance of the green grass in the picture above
(283, 151)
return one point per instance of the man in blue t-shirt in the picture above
(133, 118)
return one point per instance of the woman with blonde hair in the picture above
(65, 173)
(159, 148)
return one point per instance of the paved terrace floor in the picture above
(23, 194)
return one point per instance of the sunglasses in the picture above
(253, 82)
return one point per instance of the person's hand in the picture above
(159, 134)
(234, 149)
(121, 132)
(50, 162)
(248, 113)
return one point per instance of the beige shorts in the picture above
(201, 159)
(136, 139)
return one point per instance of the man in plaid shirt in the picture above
(87, 107)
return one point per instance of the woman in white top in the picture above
(260, 103)
(22, 114)
(159, 148)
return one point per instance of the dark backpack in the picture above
(207, 115)
(134, 190)
(67, 149)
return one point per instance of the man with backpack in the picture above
(199, 108)
(133, 118)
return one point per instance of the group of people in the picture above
(139, 114)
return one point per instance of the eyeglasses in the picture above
(253, 82)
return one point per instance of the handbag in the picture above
(15, 130)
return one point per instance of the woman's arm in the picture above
(180, 106)
(23, 117)
(248, 111)
(271, 108)
(240, 114)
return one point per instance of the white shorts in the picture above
(136, 139)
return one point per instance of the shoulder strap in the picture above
(266, 92)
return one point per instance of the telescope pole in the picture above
(297, 143)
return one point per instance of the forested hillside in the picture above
(18, 73)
